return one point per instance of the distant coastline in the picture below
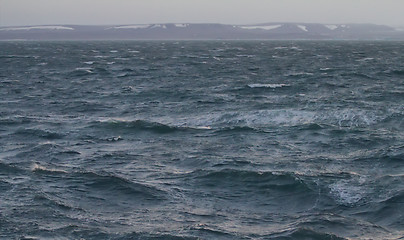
(204, 31)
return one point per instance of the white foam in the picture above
(138, 26)
(365, 59)
(304, 28)
(253, 119)
(331, 26)
(84, 68)
(269, 27)
(203, 127)
(36, 167)
(37, 28)
(270, 85)
(346, 193)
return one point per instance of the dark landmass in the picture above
(271, 31)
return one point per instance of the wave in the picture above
(250, 120)
(262, 119)
(279, 192)
(154, 236)
(256, 121)
(253, 179)
(87, 71)
(270, 85)
(347, 193)
(115, 185)
(9, 169)
(40, 168)
(81, 71)
(53, 202)
(137, 125)
(143, 125)
(46, 134)
(14, 121)
(304, 233)
(5, 186)
(101, 185)
(394, 120)
(19, 56)
(236, 129)
(387, 213)
(298, 74)
(396, 72)
(211, 232)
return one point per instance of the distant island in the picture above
(189, 31)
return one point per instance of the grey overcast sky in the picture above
(92, 12)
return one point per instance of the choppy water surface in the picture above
(202, 140)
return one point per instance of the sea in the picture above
(202, 140)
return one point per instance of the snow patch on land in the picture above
(159, 26)
(36, 28)
(331, 27)
(133, 26)
(269, 27)
(138, 26)
(181, 25)
(304, 28)
(400, 29)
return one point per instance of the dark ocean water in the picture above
(202, 140)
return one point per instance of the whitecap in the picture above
(36, 167)
(365, 59)
(203, 127)
(86, 69)
(296, 74)
(270, 85)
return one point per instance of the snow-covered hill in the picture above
(202, 31)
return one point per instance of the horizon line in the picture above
(218, 23)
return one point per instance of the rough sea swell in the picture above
(202, 140)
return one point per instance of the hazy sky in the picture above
(39, 12)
